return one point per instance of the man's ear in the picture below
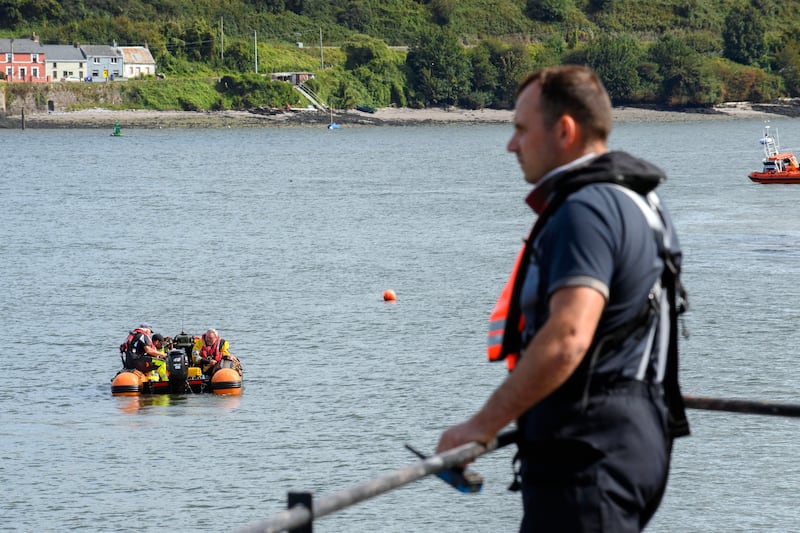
(567, 131)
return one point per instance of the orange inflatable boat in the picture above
(183, 377)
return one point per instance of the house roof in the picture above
(100, 50)
(63, 52)
(21, 46)
(136, 55)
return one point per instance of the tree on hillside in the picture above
(371, 63)
(484, 76)
(497, 70)
(744, 35)
(318, 9)
(438, 69)
(442, 10)
(787, 59)
(344, 96)
(240, 56)
(684, 80)
(601, 5)
(616, 59)
(356, 15)
(14, 12)
(548, 10)
(361, 49)
(513, 64)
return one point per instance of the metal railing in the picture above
(301, 511)
(315, 100)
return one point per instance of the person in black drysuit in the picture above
(593, 386)
(139, 352)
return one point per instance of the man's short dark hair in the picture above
(573, 90)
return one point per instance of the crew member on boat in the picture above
(160, 343)
(138, 352)
(208, 351)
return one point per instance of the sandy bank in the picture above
(103, 118)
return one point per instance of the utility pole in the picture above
(255, 45)
(321, 59)
(12, 59)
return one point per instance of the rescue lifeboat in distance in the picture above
(182, 377)
(777, 166)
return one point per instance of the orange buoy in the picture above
(389, 295)
(126, 384)
(226, 381)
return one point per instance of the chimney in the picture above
(34, 37)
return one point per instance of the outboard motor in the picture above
(185, 342)
(178, 367)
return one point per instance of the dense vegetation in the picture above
(470, 53)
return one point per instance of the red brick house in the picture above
(22, 60)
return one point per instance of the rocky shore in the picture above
(138, 119)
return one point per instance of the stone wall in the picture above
(57, 97)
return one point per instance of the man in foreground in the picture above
(587, 322)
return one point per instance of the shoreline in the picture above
(147, 119)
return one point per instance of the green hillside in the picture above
(470, 53)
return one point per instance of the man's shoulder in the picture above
(602, 197)
(589, 200)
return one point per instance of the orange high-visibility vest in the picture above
(498, 320)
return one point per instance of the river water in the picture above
(284, 240)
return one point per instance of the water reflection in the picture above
(178, 403)
(134, 404)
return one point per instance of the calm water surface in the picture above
(284, 240)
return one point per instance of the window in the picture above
(9, 73)
(8, 58)
(113, 59)
(34, 58)
(95, 74)
(96, 60)
(35, 72)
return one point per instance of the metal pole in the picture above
(321, 59)
(299, 515)
(753, 407)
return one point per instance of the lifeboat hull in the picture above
(785, 177)
(134, 383)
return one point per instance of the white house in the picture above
(138, 61)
